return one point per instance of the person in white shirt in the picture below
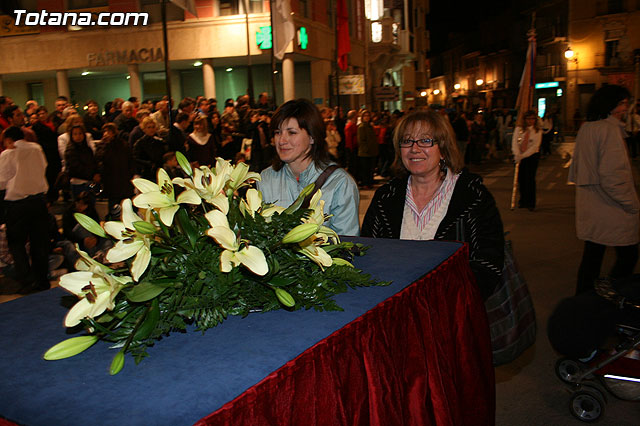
(526, 146)
(22, 173)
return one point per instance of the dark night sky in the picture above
(460, 16)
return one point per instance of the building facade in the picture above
(602, 35)
(605, 39)
(209, 54)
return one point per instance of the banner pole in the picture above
(514, 190)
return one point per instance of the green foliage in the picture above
(184, 284)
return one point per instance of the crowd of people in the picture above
(423, 154)
(96, 155)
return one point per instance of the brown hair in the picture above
(309, 119)
(77, 126)
(439, 129)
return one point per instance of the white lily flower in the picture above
(220, 230)
(250, 256)
(311, 247)
(318, 255)
(87, 263)
(317, 205)
(252, 203)
(130, 242)
(223, 167)
(269, 211)
(209, 186)
(97, 292)
(161, 197)
(240, 175)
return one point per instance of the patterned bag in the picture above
(512, 318)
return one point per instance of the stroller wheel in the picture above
(567, 369)
(587, 405)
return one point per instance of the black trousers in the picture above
(27, 220)
(632, 144)
(546, 143)
(527, 181)
(366, 165)
(626, 259)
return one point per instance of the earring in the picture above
(443, 166)
(311, 140)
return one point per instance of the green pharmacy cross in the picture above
(303, 38)
(263, 38)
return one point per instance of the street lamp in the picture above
(572, 56)
(436, 92)
(456, 86)
(569, 54)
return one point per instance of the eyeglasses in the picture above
(422, 143)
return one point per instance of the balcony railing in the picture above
(551, 72)
(621, 62)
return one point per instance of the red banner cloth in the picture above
(421, 357)
(344, 41)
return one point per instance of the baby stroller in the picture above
(599, 335)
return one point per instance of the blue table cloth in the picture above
(187, 375)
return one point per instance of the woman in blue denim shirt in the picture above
(299, 138)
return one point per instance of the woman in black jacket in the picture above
(116, 167)
(434, 199)
(48, 140)
(80, 162)
(149, 150)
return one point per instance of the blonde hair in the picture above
(145, 122)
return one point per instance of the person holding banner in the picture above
(526, 146)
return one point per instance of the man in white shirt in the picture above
(22, 173)
(162, 118)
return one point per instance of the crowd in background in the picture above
(93, 152)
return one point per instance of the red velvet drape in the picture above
(422, 357)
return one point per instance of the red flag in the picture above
(344, 42)
(525, 96)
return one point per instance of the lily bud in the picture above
(184, 163)
(298, 202)
(340, 261)
(144, 227)
(90, 225)
(117, 363)
(300, 233)
(70, 347)
(285, 298)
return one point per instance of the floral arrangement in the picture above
(196, 258)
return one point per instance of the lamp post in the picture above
(572, 56)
